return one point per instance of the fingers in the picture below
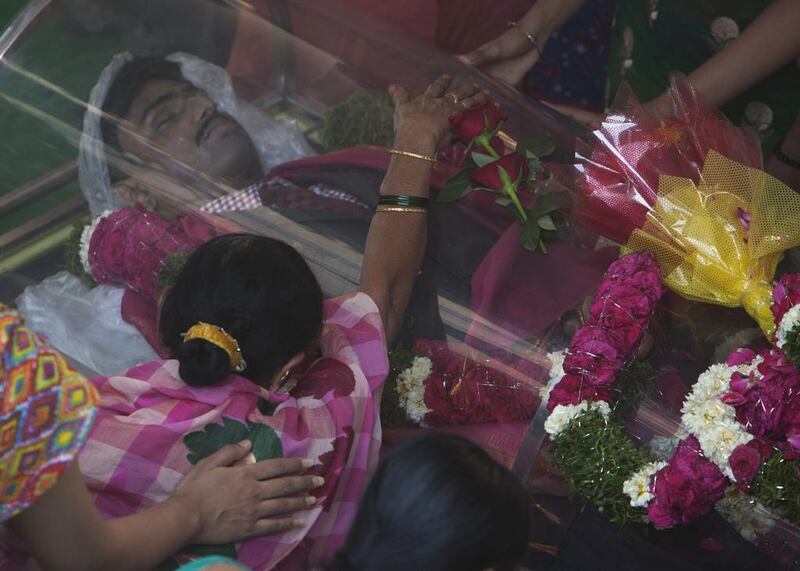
(226, 455)
(487, 53)
(283, 506)
(463, 90)
(278, 467)
(438, 87)
(477, 99)
(399, 95)
(289, 486)
(272, 526)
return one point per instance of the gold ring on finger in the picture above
(455, 98)
(464, 104)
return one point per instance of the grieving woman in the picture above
(258, 355)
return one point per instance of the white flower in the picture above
(555, 375)
(563, 415)
(746, 515)
(411, 388)
(789, 321)
(712, 421)
(741, 338)
(637, 487)
(86, 238)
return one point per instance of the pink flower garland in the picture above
(618, 318)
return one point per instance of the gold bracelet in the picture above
(415, 209)
(412, 155)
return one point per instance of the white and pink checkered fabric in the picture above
(246, 199)
(135, 455)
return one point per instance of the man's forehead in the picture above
(151, 93)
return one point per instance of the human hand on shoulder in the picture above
(228, 498)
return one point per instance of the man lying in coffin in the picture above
(180, 114)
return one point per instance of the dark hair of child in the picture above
(438, 503)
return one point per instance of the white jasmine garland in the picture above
(790, 321)
(712, 421)
(86, 239)
(637, 487)
(555, 375)
(564, 414)
(411, 388)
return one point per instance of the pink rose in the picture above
(593, 355)
(637, 304)
(745, 462)
(785, 295)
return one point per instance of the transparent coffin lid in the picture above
(290, 65)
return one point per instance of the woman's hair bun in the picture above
(202, 363)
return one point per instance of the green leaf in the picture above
(504, 202)
(203, 443)
(266, 442)
(546, 223)
(530, 235)
(455, 188)
(535, 165)
(539, 144)
(545, 204)
(482, 160)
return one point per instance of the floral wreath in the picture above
(740, 428)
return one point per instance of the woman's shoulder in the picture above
(353, 333)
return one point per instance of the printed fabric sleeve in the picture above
(45, 415)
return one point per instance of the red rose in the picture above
(476, 120)
(488, 176)
(572, 389)
(745, 462)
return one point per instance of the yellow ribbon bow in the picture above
(720, 241)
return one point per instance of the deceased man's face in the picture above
(176, 119)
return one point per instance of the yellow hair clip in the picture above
(222, 339)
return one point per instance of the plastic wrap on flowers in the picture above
(131, 247)
(689, 191)
(618, 168)
(438, 384)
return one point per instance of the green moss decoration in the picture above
(597, 457)
(792, 346)
(365, 118)
(777, 486)
(72, 253)
(392, 414)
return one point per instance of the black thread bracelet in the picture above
(788, 161)
(403, 200)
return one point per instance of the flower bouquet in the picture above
(690, 192)
(434, 385)
(511, 176)
(136, 248)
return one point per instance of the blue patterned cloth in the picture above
(206, 562)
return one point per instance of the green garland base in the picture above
(596, 456)
(777, 486)
(392, 414)
(792, 346)
(365, 118)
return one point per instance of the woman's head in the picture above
(258, 290)
(438, 503)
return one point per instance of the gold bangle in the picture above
(530, 37)
(414, 209)
(412, 155)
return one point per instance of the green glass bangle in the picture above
(403, 200)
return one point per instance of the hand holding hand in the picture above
(232, 500)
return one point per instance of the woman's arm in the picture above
(509, 56)
(396, 240)
(769, 43)
(214, 504)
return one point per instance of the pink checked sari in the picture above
(135, 455)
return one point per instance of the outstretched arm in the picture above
(214, 504)
(396, 240)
